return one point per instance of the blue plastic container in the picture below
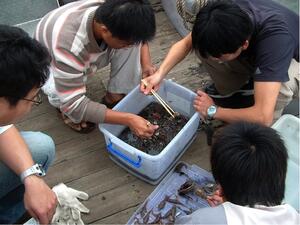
(152, 168)
(288, 127)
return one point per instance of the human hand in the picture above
(215, 199)
(69, 207)
(201, 103)
(148, 70)
(39, 200)
(151, 82)
(141, 127)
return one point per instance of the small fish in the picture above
(201, 193)
(187, 211)
(144, 209)
(210, 188)
(172, 216)
(187, 196)
(146, 217)
(156, 219)
(179, 169)
(162, 204)
(188, 186)
(169, 213)
(137, 221)
(175, 201)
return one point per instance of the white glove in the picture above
(69, 208)
(63, 216)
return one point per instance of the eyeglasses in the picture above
(37, 100)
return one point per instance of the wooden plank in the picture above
(62, 133)
(118, 218)
(198, 153)
(103, 181)
(46, 121)
(77, 167)
(78, 146)
(117, 200)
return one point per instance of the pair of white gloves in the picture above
(69, 207)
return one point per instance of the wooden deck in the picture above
(82, 161)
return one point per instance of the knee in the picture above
(41, 146)
(47, 152)
(49, 149)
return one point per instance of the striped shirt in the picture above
(67, 33)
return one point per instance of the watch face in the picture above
(211, 111)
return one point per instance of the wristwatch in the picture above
(211, 111)
(36, 169)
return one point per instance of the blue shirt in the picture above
(275, 41)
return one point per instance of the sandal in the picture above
(82, 127)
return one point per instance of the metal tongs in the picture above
(162, 102)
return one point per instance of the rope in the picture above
(188, 10)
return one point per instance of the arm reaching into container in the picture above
(176, 54)
(137, 124)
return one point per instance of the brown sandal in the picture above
(78, 127)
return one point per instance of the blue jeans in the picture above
(42, 149)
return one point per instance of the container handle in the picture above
(124, 157)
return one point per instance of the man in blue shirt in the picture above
(238, 42)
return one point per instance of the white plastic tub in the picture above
(288, 127)
(152, 168)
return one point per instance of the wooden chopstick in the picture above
(166, 104)
(161, 101)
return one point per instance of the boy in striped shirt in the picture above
(85, 36)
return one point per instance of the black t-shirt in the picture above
(275, 40)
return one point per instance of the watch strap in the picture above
(36, 169)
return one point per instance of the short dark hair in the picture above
(129, 20)
(249, 161)
(220, 27)
(24, 64)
